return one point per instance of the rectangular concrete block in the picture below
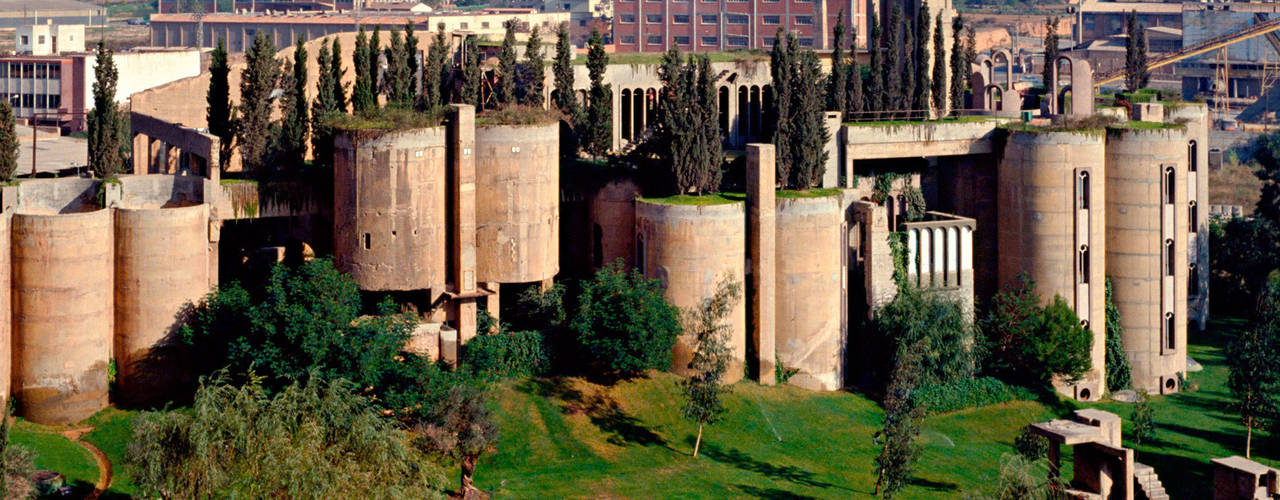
(761, 244)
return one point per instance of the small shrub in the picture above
(780, 372)
(1031, 445)
(624, 324)
(1141, 422)
(506, 354)
(967, 393)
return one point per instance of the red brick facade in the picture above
(706, 25)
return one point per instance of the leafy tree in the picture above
(1267, 154)
(920, 94)
(313, 439)
(837, 83)
(221, 121)
(853, 95)
(435, 73)
(505, 93)
(322, 108)
(1242, 253)
(808, 149)
(462, 428)
(902, 420)
(624, 323)
(1050, 51)
(362, 96)
(926, 322)
(471, 77)
(296, 119)
(8, 143)
(687, 131)
(16, 463)
(939, 89)
(336, 72)
(1141, 424)
(1030, 445)
(598, 136)
(875, 80)
(565, 97)
(1119, 373)
(891, 68)
(959, 65)
(1023, 342)
(711, 358)
(537, 309)
(106, 123)
(534, 71)
(257, 80)
(781, 65)
(1254, 374)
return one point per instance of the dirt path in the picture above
(104, 465)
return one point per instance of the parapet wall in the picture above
(160, 191)
(808, 289)
(1149, 284)
(389, 208)
(53, 196)
(518, 209)
(691, 249)
(62, 311)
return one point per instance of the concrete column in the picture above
(761, 243)
(494, 302)
(462, 191)
(831, 169)
(140, 142)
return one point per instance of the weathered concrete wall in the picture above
(690, 249)
(161, 269)
(1042, 228)
(518, 214)
(808, 286)
(876, 141)
(613, 210)
(6, 316)
(160, 191)
(1138, 224)
(62, 310)
(389, 209)
(55, 196)
(1195, 117)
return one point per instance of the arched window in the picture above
(1170, 338)
(1192, 150)
(1082, 191)
(1191, 221)
(1169, 260)
(1168, 185)
(1193, 280)
(1082, 265)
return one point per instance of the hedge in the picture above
(968, 393)
(506, 354)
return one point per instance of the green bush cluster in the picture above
(965, 393)
(506, 354)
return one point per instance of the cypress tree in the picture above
(808, 149)
(939, 90)
(971, 46)
(435, 72)
(372, 59)
(469, 92)
(599, 136)
(853, 96)
(566, 99)
(959, 67)
(280, 146)
(709, 150)
(362, 98)
(506, 92)
(891, 68)
(780, 64)
(907, 58)
(257, 80)
(218, 98)
(875, 79)
(321, 109)
(410, 55)
(8, 144)
(534, 71)
(106, 134)
(1131, 77)
(1144, 73)
(336, 72)
(395, 81)
(920, 94)
(676, 126)
(296, 119)
(1050, 51)
(837, 83)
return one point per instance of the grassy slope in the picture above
(112, 429)
(57, 453)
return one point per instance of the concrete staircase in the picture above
(1148, 483)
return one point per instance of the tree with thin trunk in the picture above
(461, 427)
(435, 72)
(257, 81)
(362, 98)
(959, 66)
(903, 417)
(875, 78)
(1050, 52)
(534, 71)
(853, 95)
(837, 83)
(8, 145)
(939, 89)
(565, 97)
(506, 92)
(920, 95)
(1253, 374)
(706, 323)
(105, 121)
(891, 68)
(218, 114)
(599, 134)
(471, 77)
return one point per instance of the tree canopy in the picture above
(624, 323)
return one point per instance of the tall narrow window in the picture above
(1193, 280)
(1191, 156)
(1082, 191)
(1169, 337)
(1082, 265)
(1191, 221)
(1168, 185)
(1169, 260)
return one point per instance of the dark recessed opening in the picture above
(1084, 394)
(367, 244)
(1169, 384)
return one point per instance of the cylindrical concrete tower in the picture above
(161, 258)
(518, 214)
(691, 249)
(1195, 117)
(613, 222)
(6, 312)
(389, 208)
(1147, 189)
(1051, 228)
(62, 311)
(808, 333)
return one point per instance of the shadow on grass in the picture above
(933, 485)
(771, 493)
(601, 408)
(740, 460)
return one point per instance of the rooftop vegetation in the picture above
(696, 200)
(940, 121)
(789, 194)
(517, 115)
(387, 119)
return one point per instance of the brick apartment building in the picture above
(702, 25)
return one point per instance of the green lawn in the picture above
(112, 430)
(57, 453)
